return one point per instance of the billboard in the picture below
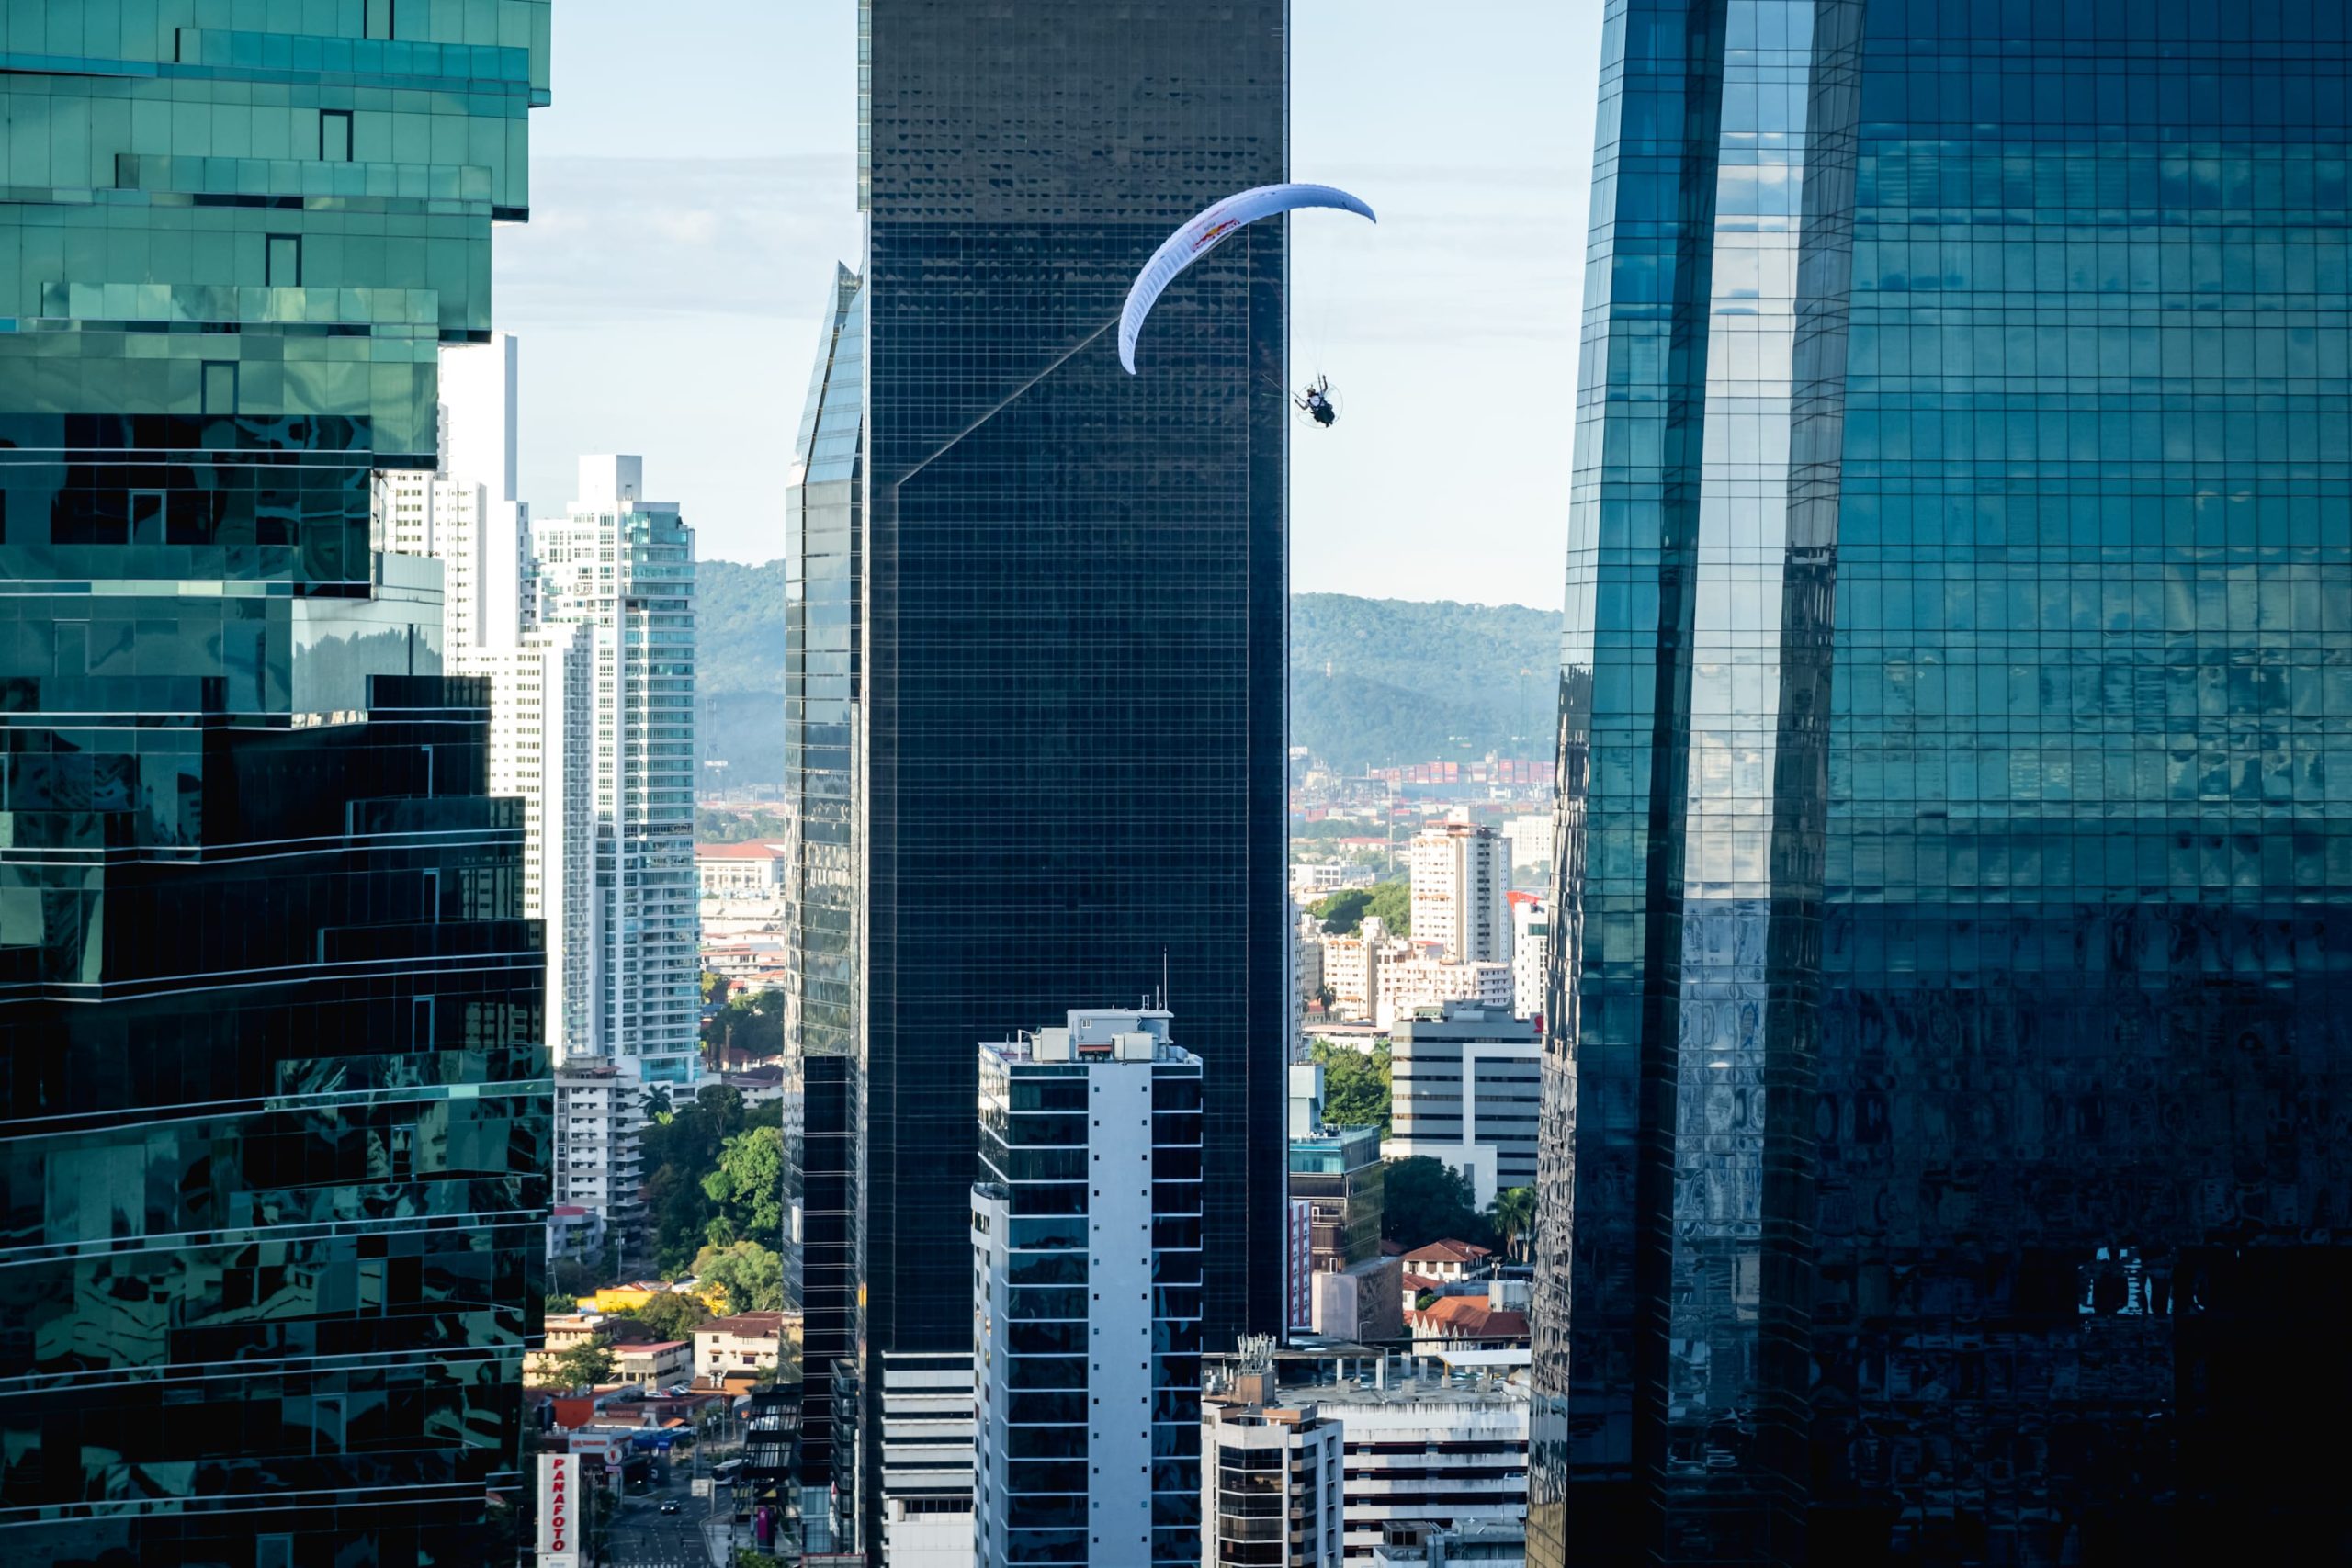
(561, 1507)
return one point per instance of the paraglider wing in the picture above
(1204, 233)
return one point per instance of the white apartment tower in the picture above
(1461, 891)
(1270, 1473)
(621, 567)
(1086, 1304)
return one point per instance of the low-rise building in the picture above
(745, 1341)
(1472, 1322)
(1449, 1259)
(1407, 982)
(1361, 1303)
(1270, 1473)
(1465, 1087)
(1449, 1446)
(745, 873)
(1352, 965)
(659, 1363)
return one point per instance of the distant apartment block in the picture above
(1464, 1083)
(622, 565)
(1405, 985)
(598, 1163)
(1530, 948)
(744, 872)
(1461, 879)
(1312, 881)
(1530, 838)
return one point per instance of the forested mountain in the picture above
(1373, 681)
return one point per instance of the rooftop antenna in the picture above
(1163, 979)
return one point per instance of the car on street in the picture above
(669, 1507)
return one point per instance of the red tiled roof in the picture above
(1470, 1317)
(745, 1324)
(649, 1347)
(1448, 1250)
(1518, 897)
(1421, 1282)
(754, 849)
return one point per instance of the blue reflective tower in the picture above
(1943, 1155)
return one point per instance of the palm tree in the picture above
(1512, 1214)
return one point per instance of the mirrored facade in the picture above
(823, 526)
(1941, 1159)
(1074, 634)
(272, 1142)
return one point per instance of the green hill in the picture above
(1373, 681)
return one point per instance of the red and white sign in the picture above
(562, 1508)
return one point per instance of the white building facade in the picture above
(1270, 1479)
(1531, 949)
(1086, 1304)
(1461, 891)
(1404, 986)
(1464, 1087)
(622, 566)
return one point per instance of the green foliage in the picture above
(670, 1314)
(586, 1365)
(1373, 681)
(1512, 1217)
(1343, 912)
(680, 1152)
(1355, 1085)
(752, 1276)
(1410, 682)
(1425, 1199)
(756, 1024)
(747, 1189)
(725, 824)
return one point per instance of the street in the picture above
(644, 1537)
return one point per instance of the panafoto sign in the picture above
(561, 1504)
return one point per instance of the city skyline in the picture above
(744, 199)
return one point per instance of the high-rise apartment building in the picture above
(1950, 858)
(1085, 1232)
(1461, 891)
(1072, 675)
(274, 1139)
(622, 565)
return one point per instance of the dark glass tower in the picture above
(1943, 1155)
(823, 541)
(1075, 625)
(273, 1140)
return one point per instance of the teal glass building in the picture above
(273, 1094)
(1943, 1153)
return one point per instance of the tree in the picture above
(586, 1365)
(1342, 912)
(1425, 1199)
(1393, 902)
(752, 1024)
(1512, 1217)
(1355, 1085)
(680, 1151)
(748, 1186)
(671, 1315)
(752, 1276)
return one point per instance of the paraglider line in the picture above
(1067, 356)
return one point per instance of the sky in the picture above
(693, 188)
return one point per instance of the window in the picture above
(285, 265)
(334, 136)
(220, 385)
(382, 21)
(73, 648)
(146, 516)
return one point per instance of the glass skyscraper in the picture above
(273, 1144)
(1072, 689)
(823, 537)
(1943, 1157)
